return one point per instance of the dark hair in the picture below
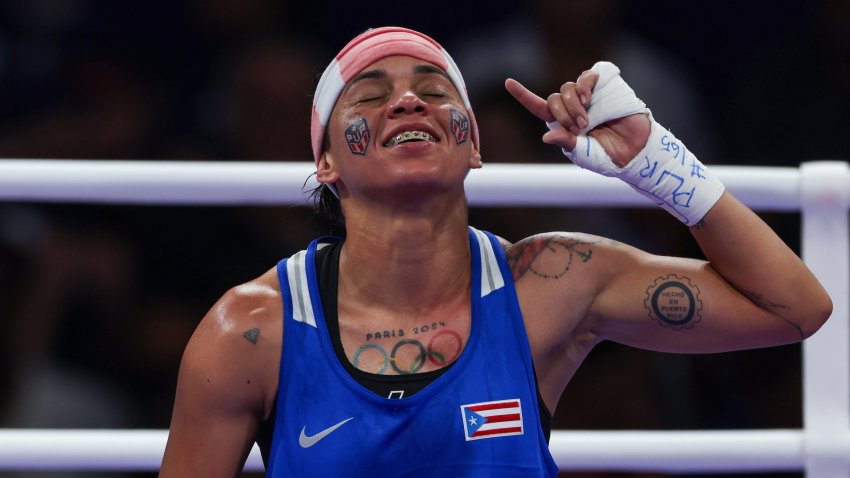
(327, 205)
(325, 202)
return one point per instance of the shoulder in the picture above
(553, 255)
(252, 302)
(254, 305)
(236, 346)
(558, 277)
(227, 382)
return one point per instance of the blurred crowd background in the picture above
(97, 302)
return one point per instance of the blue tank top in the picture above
(480, 418)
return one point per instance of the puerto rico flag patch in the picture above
(492, 419)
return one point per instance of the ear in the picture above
(325, 171)
(475, 158)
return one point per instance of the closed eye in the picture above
(368, 99)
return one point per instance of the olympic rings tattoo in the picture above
(390, 359)
(420, 360)
(376, 347)
(439, 360)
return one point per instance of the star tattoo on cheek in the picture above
(459, 126)
(357, 136)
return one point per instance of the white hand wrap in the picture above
(664, 171)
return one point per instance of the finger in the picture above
(562, 138)
(556, 106)
(533, 103)
(574, 106)
(584, 86)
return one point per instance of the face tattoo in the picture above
(459, 126)
(357, 136)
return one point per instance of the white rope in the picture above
(246, 183)
(679, 451)
(651, 451)
(243, 183)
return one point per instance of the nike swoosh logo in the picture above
(308, 441)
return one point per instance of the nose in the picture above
(408, 103)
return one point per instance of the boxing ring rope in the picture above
(819, 190)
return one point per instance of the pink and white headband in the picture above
(367, 48)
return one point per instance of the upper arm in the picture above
(680, 305)
(582, 288)
(576, 290)
(224, 386)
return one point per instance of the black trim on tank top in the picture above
(387, 386)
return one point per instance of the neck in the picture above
(408, 260)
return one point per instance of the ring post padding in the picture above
(825, 190)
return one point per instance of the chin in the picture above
(416, 188)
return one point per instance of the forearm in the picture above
(753, 279)
(749, 255)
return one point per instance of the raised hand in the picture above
(603, 127)
(569, 115)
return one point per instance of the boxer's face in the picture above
(399, 123)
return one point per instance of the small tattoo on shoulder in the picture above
(673, 301)
(252, 335)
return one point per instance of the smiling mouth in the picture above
(409, 136)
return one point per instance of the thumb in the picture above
(559, 136)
